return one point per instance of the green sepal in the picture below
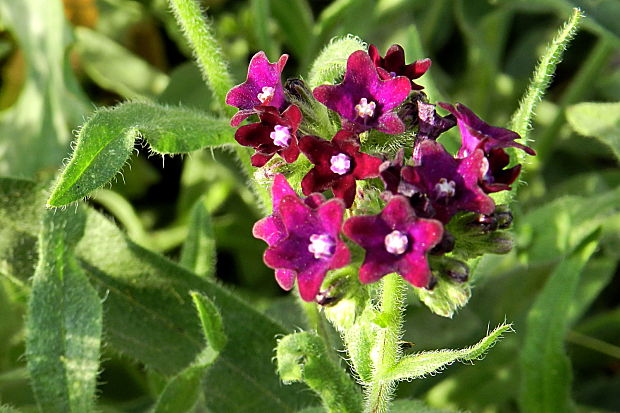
(446, 297)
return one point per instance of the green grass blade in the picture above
(545, 367)
(198, 253)
(64, 323)
(106, 140)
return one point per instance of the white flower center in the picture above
(322, 246)
(340, 164)
(396, 242)
(445, 188)
(365, 109)
(281, 136)
(266, 94)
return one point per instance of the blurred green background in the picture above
(59, 60)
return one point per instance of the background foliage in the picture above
(154, 332)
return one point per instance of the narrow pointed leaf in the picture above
(106, 140)
(64, 323)
(198, 253)
(598, 120)
(183, 391)
(421, 364)
(545, 367)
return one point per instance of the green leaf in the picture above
(303, 357)
(198, 253)
(151, 318)
(64, 322)
(106, 140)
(296, 31)
(417, 406)
(545, 367)
(36, 130)
(599, 120)
(418, 365)
(115, 68)
(8, 409)
(329, 66)
(183, 391)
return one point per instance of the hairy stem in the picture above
(386, 350)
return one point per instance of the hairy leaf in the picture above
(63, 324)
(198, 253)
(545, 367)
(106, 140)
(599, 120)
(329, 66)
(421, 364)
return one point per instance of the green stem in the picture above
(386, 351)
(317, 323)
(208, 54)
(215, 72)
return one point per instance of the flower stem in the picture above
(386, 351)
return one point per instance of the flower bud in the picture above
(446, 298)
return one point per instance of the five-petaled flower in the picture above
(263, 87)
(395, 241)
(363, 100)
(339, 163)
(303, 238)
(449, 184)
(275, 133)
(393, 64)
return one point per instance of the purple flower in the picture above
(302, 238)
(430, 123)
(263, 87)
(389, 171)
(339, 163)
(363, 100)
(275, 133)
(395, 241)
(450, 185)
(393, 64)
(477, 134)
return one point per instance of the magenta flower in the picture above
(339, 163)
(275, 133)
(449, 184)
(393, 64)
(430, 123)
(363, 100)
(303, 238)
(395, 241)
(477, 134)
(263, 87)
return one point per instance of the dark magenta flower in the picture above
(339, 163)
(363, 100)
(393, 64)
(389, 171)
(303, 238)
(275, 133)
(263, 87)
(477, 134)
(430, 123)
(395, 241)
(449, 184)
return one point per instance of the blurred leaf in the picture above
(115, 68)
(35, 132)
(417, 406)
(183, 391)
(107, 138)
(599, 120)
(552, 230)
(8, 409)
(295, 19)
(150, 317)
(545, 367)
(198, 253)
(64, 322)
(418, 365)
(187, 88)
(329, 66)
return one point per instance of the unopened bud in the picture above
(446, 298)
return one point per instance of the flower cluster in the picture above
(431, 199)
